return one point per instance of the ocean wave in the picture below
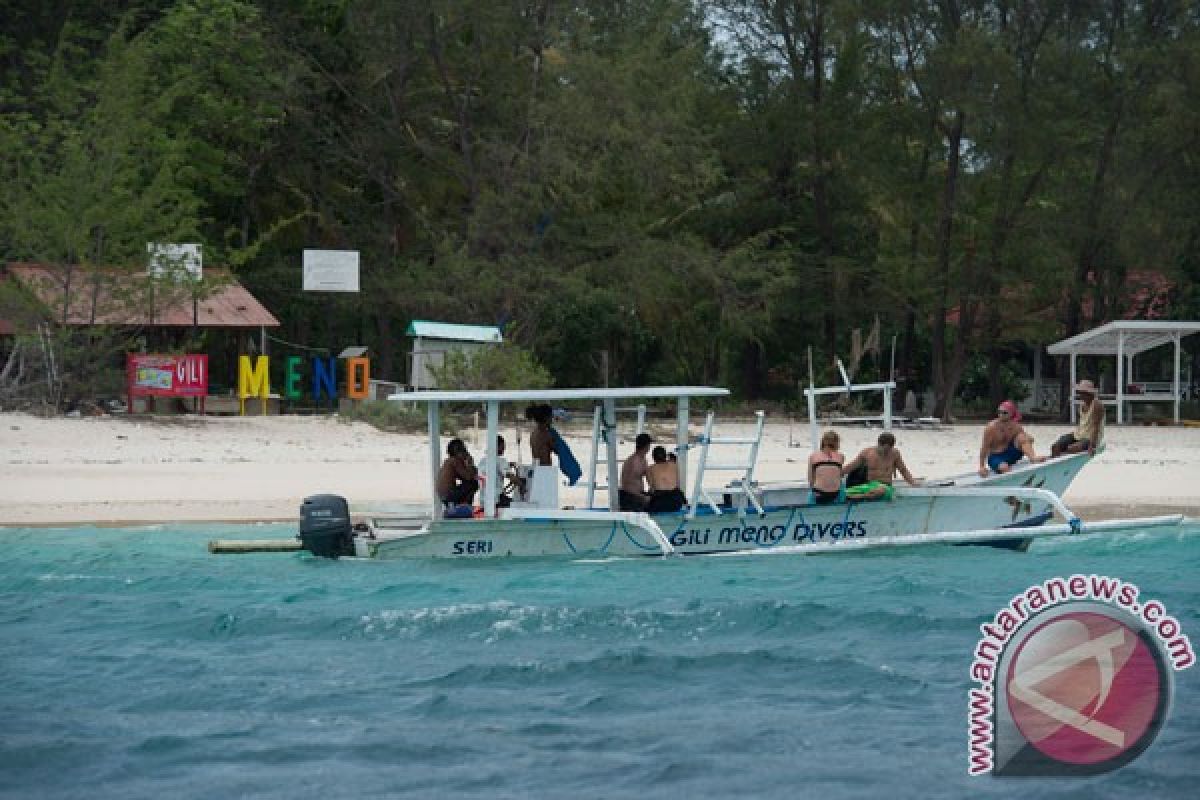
(502, 620)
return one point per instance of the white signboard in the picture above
(331, 270)
(175, 260)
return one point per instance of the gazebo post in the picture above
(1121, 378)
(1071, 388)
(1175, 388)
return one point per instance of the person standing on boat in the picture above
(825, 470)
(632, 490)
(458, 479)
(1089, 433)
(1005, 442)
(883, 461)
(541, 441)
(663, 477)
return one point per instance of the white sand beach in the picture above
(142, 469)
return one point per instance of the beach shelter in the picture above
(433, 340)
(1124, 340)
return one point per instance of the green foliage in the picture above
(643, 192)
(388, 416)
(977, 387)
(505, 366)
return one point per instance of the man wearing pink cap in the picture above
(1005, 442)
(1089, 433)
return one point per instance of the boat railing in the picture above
(638, 519)
(599, 457)
(960, 537)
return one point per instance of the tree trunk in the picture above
(1089, 248)
(946, 375)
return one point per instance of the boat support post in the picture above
(610, 442)
(435, 452)
(682, 413)
(489, 450)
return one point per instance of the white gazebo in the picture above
(1126, 339)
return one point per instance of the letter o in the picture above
(1168, 622)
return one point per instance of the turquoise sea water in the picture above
(137, 665)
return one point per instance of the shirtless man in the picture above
(541, 442)
(457, 480)
(663, 477)
(1005, 442)
(883, 462)
(632, 493)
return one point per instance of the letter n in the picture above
(324, 378)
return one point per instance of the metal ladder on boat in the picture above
(743, 487)
(600, 454)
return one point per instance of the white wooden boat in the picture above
(741, 516)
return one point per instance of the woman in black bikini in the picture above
(825, 469)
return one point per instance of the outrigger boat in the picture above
(743, 515)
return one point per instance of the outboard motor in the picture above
(325, 526)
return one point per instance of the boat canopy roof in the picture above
(524, 395)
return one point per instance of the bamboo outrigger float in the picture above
(743, 515)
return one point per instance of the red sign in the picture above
(167, 376)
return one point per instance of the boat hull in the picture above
(789, 520)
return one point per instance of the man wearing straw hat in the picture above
(1089, 433)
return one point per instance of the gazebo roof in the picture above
(107, 296)
(1138, 336)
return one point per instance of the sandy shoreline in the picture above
(119, 470)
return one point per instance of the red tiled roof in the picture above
(1147, 296)
(102, 296)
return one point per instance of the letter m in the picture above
(254, 382)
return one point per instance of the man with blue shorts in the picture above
(1005, 442)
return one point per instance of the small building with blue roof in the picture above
(433, 340)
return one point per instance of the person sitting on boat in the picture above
(883, 461)
(663, 477)
(458, 479)
(632, 489)
(825, 470)
(499, 469)
(1005, 442)
(1089, 433)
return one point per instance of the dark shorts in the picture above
(462, 493)
(823, 498)
(1010, 455)
(1068, 439)
(628, 501)
(666, 501)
